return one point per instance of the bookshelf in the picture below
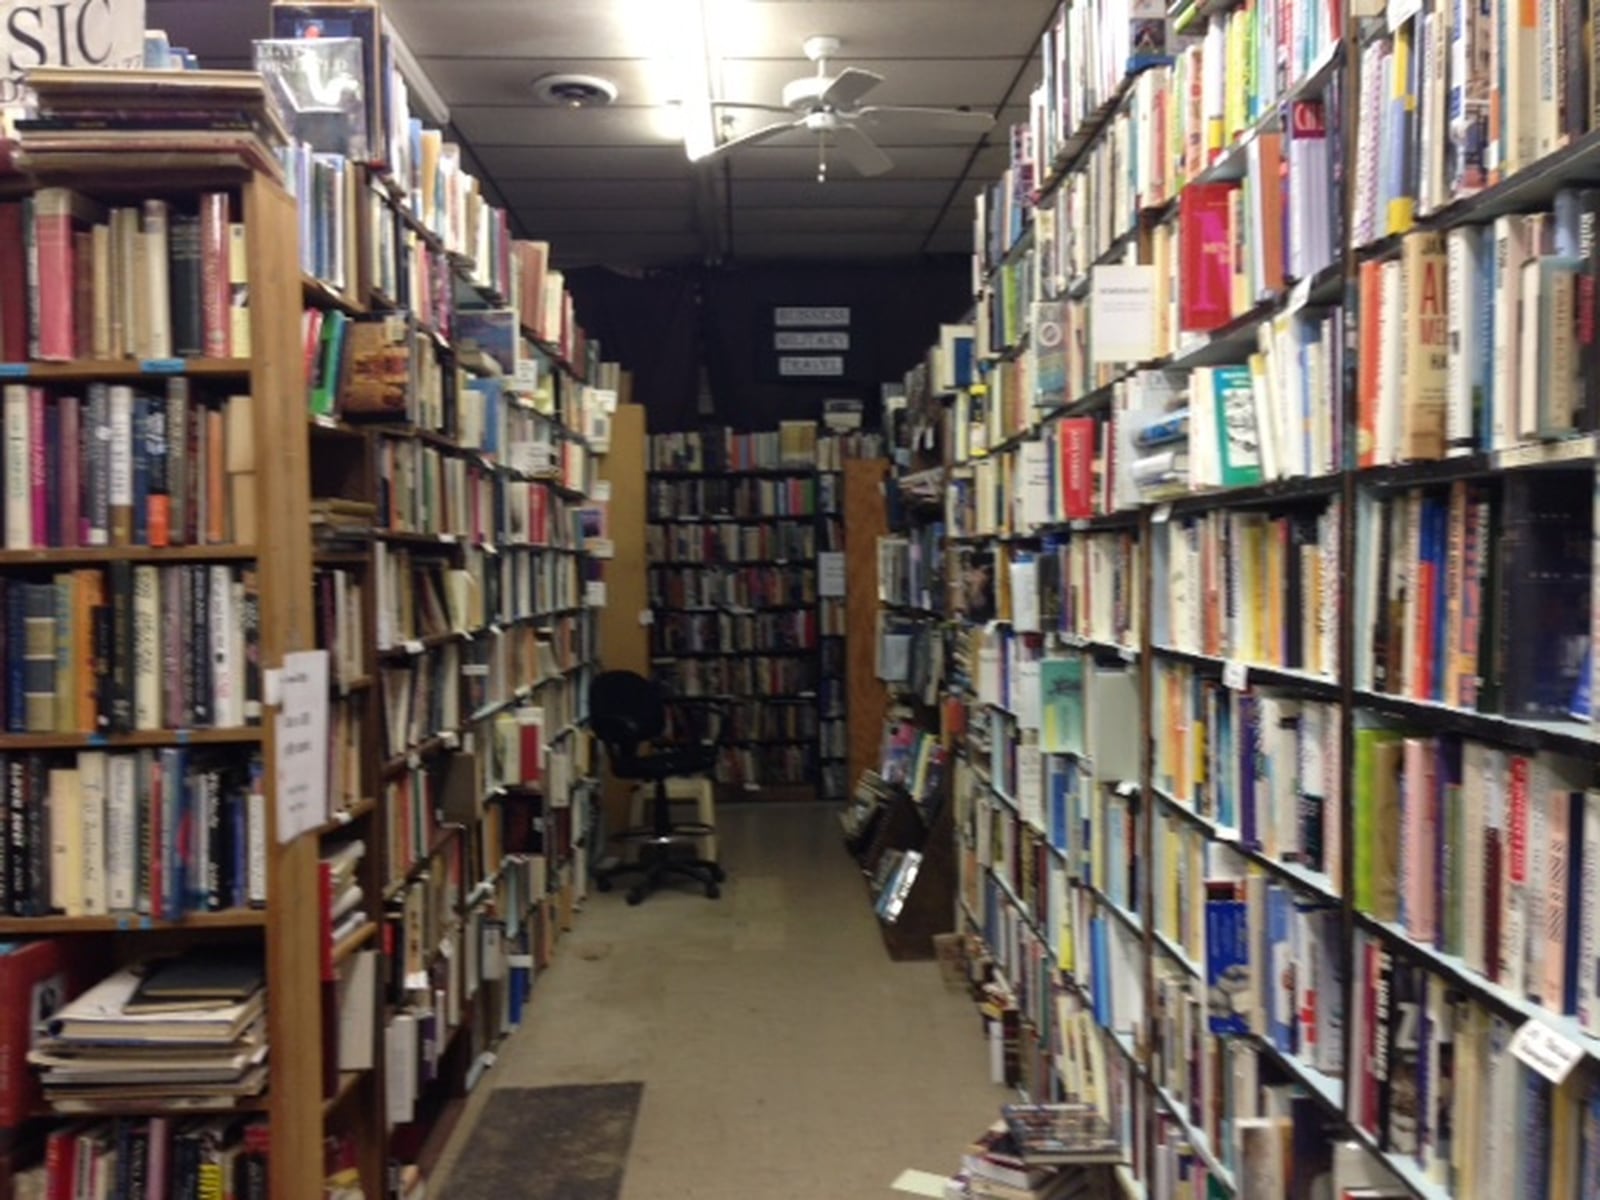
(97, 729)
(735, 526)
(458, 436)
(1271, 537)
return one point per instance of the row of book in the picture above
(1481, 853)
(1478, 339)
(911, 568)
(132, 647)
(752, 675)
(722, 543)
(1089, 586)
(151, 281)
(1259, 587)
(687, 500)
(792, 446)
(1442, 573)
(737, 587)
(152, 833)
(768, 766)
(1260, 765)
(794, 629)
(121, 467)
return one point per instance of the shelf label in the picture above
(1079, 525)
(14, 370)
(1542, 1049)
(1235, 676)
(1162, 514)
(1128, 654)
(1128, 787)
(1300, 295)
(413, 648)
(161, 366)
(449, 539)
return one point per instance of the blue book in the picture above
(1100, 970)
(1249, 746)
(1228, 979)
(1057, 781)
(1280, 955)
(16, 656)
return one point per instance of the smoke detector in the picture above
(575, 91)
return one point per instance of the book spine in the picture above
(216, 317)
(68, 481)
(52, 283)
(239, 337)
(157, 301)
(18, 457)
(184, 267)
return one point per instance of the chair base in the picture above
(657, 866)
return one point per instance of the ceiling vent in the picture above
(575, 91)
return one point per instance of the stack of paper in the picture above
(182, 1033)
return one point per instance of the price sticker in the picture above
(1544, 1050)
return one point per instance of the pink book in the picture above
(38, 468)
(1513, 948)
(156, 1158)
(1552, 987)
(1417, 851)
(1077, 467)
(216, 302)
(71, 495)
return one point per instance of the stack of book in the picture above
(215, 118)
(1037, 1152)
(185, 1033)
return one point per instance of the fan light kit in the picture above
(829, 106)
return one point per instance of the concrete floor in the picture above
(784, 1057)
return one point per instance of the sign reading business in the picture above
(813, 342)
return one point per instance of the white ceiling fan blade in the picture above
(955, 120)
(861, 152)
(848, 89)
(765, 133)
(744, 106)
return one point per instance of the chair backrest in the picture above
(625, 710)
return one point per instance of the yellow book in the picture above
(1402, 209)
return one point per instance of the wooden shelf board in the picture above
(232, 918)
(354, 942)
(249, 734)
(88, 370)
(90, 555)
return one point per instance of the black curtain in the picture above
(662, 325)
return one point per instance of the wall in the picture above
(655, 325)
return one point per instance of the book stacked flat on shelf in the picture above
(86, 115)
(183, 1033)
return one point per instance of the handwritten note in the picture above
(302, 754)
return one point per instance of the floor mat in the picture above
(549, 1143)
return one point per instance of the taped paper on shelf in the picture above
(302, 744)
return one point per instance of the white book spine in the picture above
(121, 451)
(1508, 244)
(19, 489)
(1589, 923)
(227, 709)
(1461, 247)
(122, 825)
(92, 790)
(256, 847)
(147, 664)
(159, 298)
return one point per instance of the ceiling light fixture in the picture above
(575, 91)
(698, 67)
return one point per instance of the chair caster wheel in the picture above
(718, 874)
(635, 896)
(712, 891)
(602, 883)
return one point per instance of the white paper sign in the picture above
(74, 33)
(1025, 596)
(1544, 1050)
(830, 574)
(1122, 309)
(1235, 676)
(594, 593)
(302, 744)
(601, 491)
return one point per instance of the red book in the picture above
(13, 284)
(60, 1163)
(57, 212)
(69, 483)
(531, 749)
(1205, 299)
(38, 467)
(36, 978)
(325, 920)
(83, 291)
(1077, 467)
(216, 316)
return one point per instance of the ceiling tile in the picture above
(840, 192)
(549, 224)
(534, 126)
(513, 163)
(794, 161)
(753, 28)
(834, 220)
(501, 79)
(598, 194)
(831, 245)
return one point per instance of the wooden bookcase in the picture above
(287, 927)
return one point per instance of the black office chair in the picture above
(627, 712)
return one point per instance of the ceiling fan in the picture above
(830, 107)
